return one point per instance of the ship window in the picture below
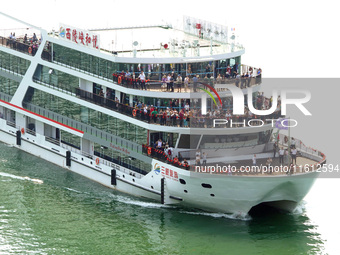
(206, 185)
(229, 141)
(212, 195)
(189, 141)
(185, 191)
(182, 181)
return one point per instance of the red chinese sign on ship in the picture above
(79, 36)
(169, 173)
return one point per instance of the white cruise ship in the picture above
(151, 113)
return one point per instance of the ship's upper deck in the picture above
(189, 41)
(163, 41)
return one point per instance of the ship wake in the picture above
(25, 178)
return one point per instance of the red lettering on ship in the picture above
(169, 173)
(94, 41)
(68, 34)
(118, 148)
(74, 35)
(81, 37)
(87, 39)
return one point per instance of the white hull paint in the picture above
(230, 194)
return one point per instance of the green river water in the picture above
(45, 209)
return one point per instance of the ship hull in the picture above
(209, 192)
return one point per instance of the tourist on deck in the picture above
(219, 78)
(168, 78)
(185, 119)
(164, 83)
(294, 152)
(187, 106)
(172, 83)
(195, 80)
(134, 80)
(281, 154)
(179, 83)
(292, 143)
(34, 38)
(228, 72)
(198, 158)
(159, 144)
(181, 117)
(204, 159)
(185, 164)
(286, 158)
(238, 79)
(235, 70)
(154, 115)
(275, 149)
(211, 80)
(254, 160)
(174, 116)
(168, 116)
(186, 83)
(142, 80)
(268, 164)
(170, 151)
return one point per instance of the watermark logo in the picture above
(238, 101)
(204, 101)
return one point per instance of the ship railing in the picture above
(46, 55)
(67, 89)
(154, 84)
(5, 97)
(87, 128)
(17, 72)
(303, 150)
(195, 121)
(31, 132)
(52, 140)
(72, 148)
(122, 167)
(110, 163)
(19, 45)
(284, 141)
(182, 51)
(162, 156)
(154, 78)
(12, 124)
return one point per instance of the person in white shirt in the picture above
(292, 143)
(204, 157)
(168, 78)
(198, 158)
(187, 106)
(142, 80)
(281, 154)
